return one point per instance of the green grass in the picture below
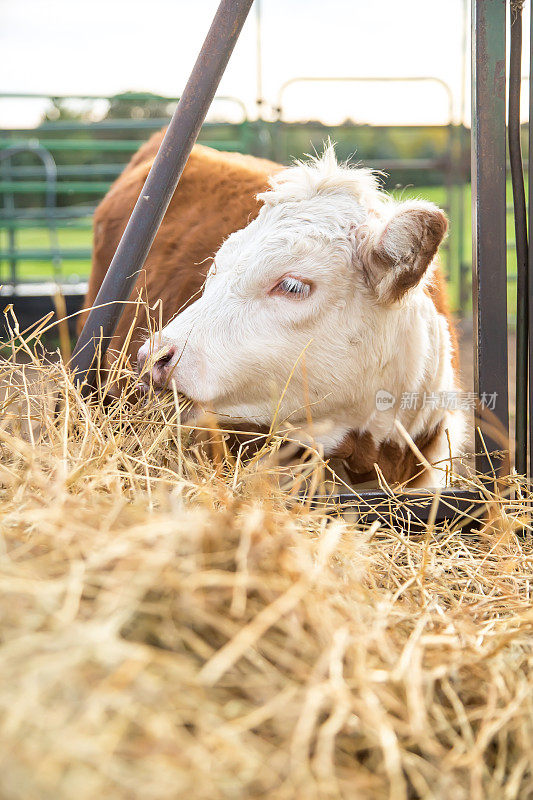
(38, 239)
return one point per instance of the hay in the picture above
(175, 625)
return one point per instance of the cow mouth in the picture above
(149, 393)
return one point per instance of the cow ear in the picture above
(394, 254)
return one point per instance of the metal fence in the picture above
(52, 175)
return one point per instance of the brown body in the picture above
(215, 197)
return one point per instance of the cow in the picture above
(299, 295)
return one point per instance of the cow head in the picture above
(314, 306)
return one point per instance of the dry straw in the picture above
(179, 623)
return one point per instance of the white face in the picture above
(290, 313)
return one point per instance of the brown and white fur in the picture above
(327, 297)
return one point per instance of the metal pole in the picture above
(530, 253)
(520, 222)
(9, 206)
(50, 170)
(489, 267)
(463, 174)
(259, 60)
(160, 185)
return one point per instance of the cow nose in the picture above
(161, 368)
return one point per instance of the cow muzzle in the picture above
(156, 367)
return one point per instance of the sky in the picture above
(111, 46)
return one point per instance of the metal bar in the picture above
(259, 99)
(23, 223)
(520, 222)
(50, 169)
(530, 253)
(68, 171)
(65, 214)
(98, 145)
(44, 289)
(450, 204)
(371, 79)
(134, 97)
(439, 164)
(64, 126)
(46, 253)
(65, 187)
(489, 279)
(107, 125)
(49, 166)
(107, 145)
(9, 208)
(160, 184)
(463, 290)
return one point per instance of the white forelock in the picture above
(321, 175)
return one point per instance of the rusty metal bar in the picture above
(520, 223)
(530, 252)
(489, 268)
(160, 185)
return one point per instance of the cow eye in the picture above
(293, 287)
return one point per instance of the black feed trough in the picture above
(411, 510)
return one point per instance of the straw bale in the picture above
(176, 623)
